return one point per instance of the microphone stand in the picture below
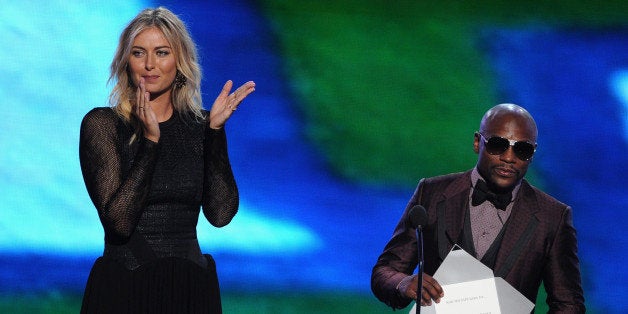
(419, 290)
(418, 218)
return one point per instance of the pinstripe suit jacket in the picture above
(539, 243)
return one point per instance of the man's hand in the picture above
(431, 289)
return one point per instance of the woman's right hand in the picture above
(144, 112)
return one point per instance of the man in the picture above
(526, 238)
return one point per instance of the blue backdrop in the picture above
(298, 226)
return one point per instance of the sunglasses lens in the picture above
(524, 150)
(497, 145)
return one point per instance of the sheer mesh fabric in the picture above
(122, 178)
(148, 197)
(156, 189)
(117, 190)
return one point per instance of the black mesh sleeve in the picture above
(117, 194)
(220, 192)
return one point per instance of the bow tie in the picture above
(481, 193)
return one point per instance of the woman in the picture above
(150, 162)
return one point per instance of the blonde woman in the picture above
(150, 162)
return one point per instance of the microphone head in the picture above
(418, 216)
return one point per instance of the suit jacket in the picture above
(539, 243)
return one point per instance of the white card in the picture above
(472, 297)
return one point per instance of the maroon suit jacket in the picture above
(539, 243)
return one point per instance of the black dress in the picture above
(148, 196)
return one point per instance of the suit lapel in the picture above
(519, 231)
(452, 206)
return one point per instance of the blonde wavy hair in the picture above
(186, 99)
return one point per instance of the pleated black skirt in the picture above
(164, 285)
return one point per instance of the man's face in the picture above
(503, 171)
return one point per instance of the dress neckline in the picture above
(170, 120)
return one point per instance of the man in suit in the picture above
(523, 234)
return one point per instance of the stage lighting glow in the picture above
(619, 86)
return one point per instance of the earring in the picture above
(179, 80)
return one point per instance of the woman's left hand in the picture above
(225, 104)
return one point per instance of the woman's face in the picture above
(152, 58)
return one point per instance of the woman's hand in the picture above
(225, 104)
(144, 112)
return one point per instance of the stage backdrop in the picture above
(355, 102)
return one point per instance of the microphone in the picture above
(418, 216)
(418, 219)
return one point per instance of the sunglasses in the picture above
(498, 145)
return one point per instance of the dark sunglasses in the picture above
(498, 145)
